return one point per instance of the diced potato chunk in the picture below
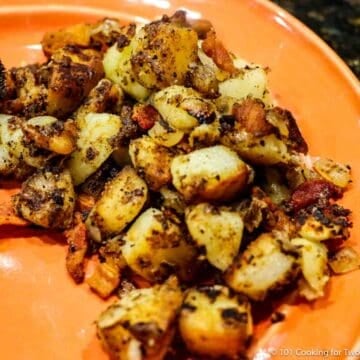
(16, 145)
(314, 230)
(151, 161)
(162, 52)
(217, 229)
(264, 150)
(250, 82)
(313, 262)
(118, 68)
(183, 108)
(155, 246)
(165, 135)
(47, 199)
(336, 173)
(139, 326)
(93, 144)
(213, 173)
(345, 260)
(215, 323)
(122, 200)
(262, 267)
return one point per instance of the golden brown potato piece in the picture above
(152, 161)
(215, 323)
(74, 72)
(213, 173)
(218, 229)
(139, 326)
(77, 35)
(334, 172)
(183, 108)
(122, 200)
(156, 246)
(313, 262)
(162, 52)
(99, 36)
(47, 199)
(261, 268)
(94, 144)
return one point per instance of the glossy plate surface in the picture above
(45, 316)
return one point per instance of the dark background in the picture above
(335, 21)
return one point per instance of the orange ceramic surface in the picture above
(43, 315)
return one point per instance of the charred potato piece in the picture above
(183, 108)
(139, 326)
(155, 246)
(93, 144)
(217, 229)
(263, 267)
(74, 72)
(213, 173)
(313, 229)
(47, 199)
(48, 133)
(105, 97)
(313, 263)
(215, 323)
(19, 146)
(122, 200)
(161, 54)
(288, 129)
(203, 79)
(24, 91)
(152, 161)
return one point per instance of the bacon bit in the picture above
(8, 216)
(311, 191)
(251, 115)
(105, 279)
(78, 245)
(145, 116)
(216, 50)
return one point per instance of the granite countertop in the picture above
(336, 21)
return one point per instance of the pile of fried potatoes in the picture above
(158, 151)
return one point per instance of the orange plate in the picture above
(45, 316)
